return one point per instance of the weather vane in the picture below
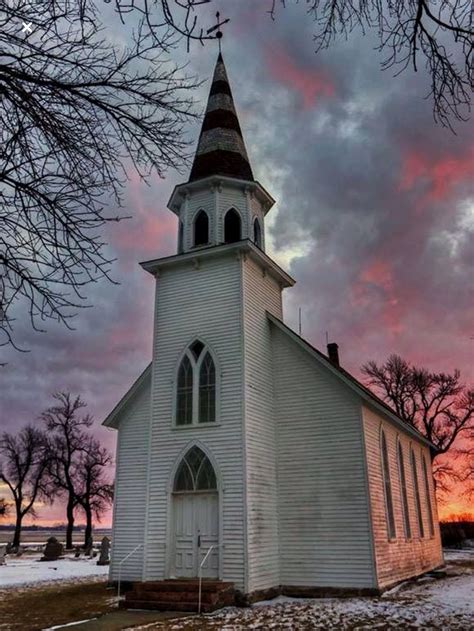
(217, 27)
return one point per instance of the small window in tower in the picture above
(232, 226)
(257, 233)
(201, 228)
(180, 237)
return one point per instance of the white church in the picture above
(244, 454)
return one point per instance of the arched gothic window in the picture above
(257, 232)
(403, 491)
(416, 489)
(201, 228)
(196, 386)
(195, 473)
(180, 237)
(428, 496)
(387, 487)
(232, 226)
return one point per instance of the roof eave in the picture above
(112, 419)
(181, 190)
(245, 247)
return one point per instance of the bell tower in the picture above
(221, 202)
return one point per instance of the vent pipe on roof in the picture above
(333, 353)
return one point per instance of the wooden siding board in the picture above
(399, 558)
(323, 505)
(261, 293)
(205, 303)
(130, 480)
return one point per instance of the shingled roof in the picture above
(221, 148)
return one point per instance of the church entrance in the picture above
(195, 506)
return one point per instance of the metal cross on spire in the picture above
(217, 27)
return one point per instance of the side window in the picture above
(416, 490)
(387, 487)
(257, 232)
(403, 491)
(201, 228)
(428, 496)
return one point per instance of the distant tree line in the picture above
(60, 459)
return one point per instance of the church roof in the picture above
(221, 148)
(349, 379)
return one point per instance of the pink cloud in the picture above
(307, 83)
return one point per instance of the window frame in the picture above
(233, 210)
(387, 487)
(429, 504)
(416, 493)
(196, 372)
(402, 480)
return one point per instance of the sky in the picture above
(374, 219)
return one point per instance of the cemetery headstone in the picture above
(104, 558)
(53, 550)
(3, 554)
(89, 547)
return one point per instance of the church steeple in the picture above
(221, 148)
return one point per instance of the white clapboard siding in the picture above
(261, 292)
(198, 302)
(130, 485)
(323, 505)
(399, 558)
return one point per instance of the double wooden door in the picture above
(196, 529)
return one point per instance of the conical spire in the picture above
(221, 148)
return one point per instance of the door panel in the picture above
(196, 528)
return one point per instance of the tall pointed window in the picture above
(180, 237)
(196, 387)
(403, 491)
(257, 232)
(428, 496)
(416, 490)
(232, 226)
(201, 228)
(387, 487)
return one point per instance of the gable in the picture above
(129, 398)
(350, 382)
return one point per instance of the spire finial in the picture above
(217, 27)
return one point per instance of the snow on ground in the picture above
(463, 554)
(446, 603)
(28, 570)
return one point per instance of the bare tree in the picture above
(24, 471)
(438, 35)
(438, 405)
(78, 109)
(95, 490)
(3, 507)
(68, 440)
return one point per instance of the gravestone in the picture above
(3, 554)
(19, 551)
(104, 558)
(77, 552)
(53, 550)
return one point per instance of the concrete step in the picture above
(176, 585)
(141, 594)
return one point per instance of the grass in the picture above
(34, 608)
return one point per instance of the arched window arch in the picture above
(257, 232)
(232, 226)
(201, 228)
(196, 386)
(403, 491)
(387, 486)
(428, 496)
(416, 490)
(180, 237)
(195, 473)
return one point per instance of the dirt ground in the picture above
(34, 608)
